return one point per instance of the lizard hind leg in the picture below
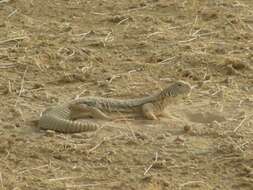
(148, 111)
(82, 110)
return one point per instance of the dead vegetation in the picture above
(52, 51)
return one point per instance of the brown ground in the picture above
(51, 51)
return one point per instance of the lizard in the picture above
(60, 118)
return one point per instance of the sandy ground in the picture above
(54, 51)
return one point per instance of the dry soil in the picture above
(54, 51)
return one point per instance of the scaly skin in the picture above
(149, 106)
(60, 118)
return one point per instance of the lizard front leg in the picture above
(82, 110)
(148, 111)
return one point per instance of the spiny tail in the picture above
(65, 126)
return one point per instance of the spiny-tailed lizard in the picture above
(62, 118)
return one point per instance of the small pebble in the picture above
(77, 168)
(207, 77)
(159, 164)
(161, 137)
(187, 128)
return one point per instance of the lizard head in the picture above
(178, 88)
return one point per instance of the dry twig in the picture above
(1, 181)
(151, 165)
(96, 146)
(7, 66)
(120, 22)
(63, 178)
(12, 13)
(21, 86)
(90, 185)
(194, 182)
(165, 60)
(13, 39)
(189, 40)
(36, 168)
(240, 124)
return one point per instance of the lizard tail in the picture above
(58, 124)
